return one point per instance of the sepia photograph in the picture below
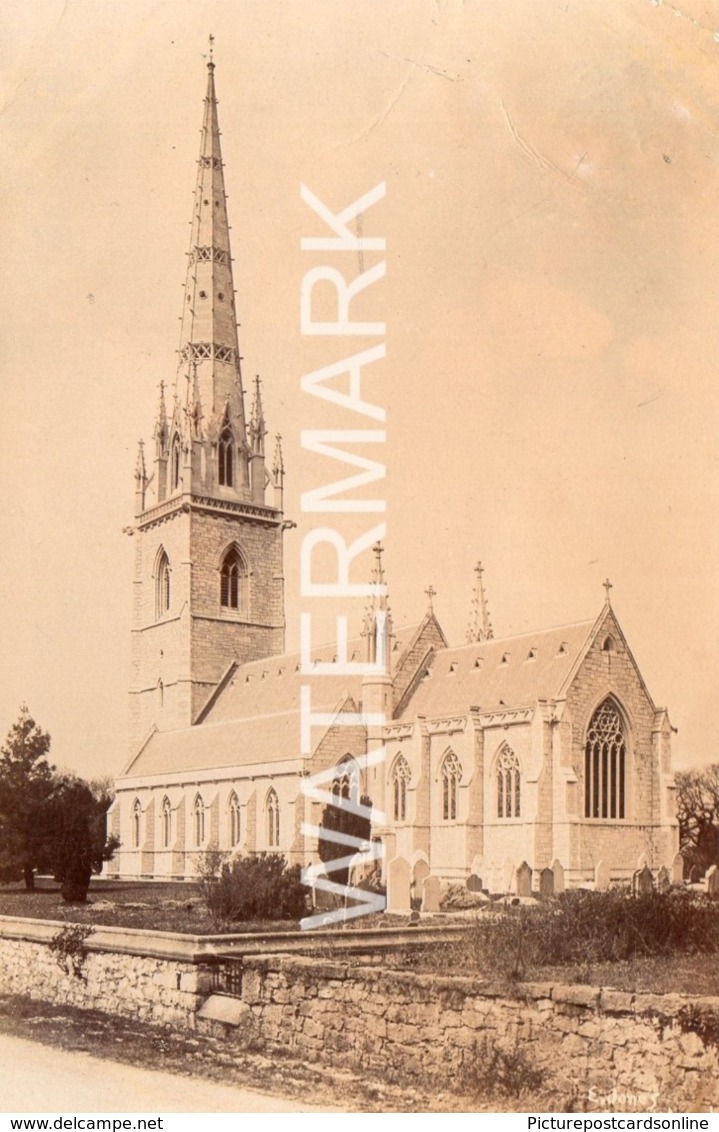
(360, 483)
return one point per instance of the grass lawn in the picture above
(163, 907)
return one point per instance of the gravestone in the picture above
(643, 882)
(678, 869)
(546, 884)
(398, 885)
(601, 877)
(474, 883)
(430, 894)
(420, 872)
(664, 880)
(558, 870)
(524, 880)
(641, 862)
(695, 874)
(712, 879)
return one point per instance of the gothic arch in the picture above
(226, 456)
(234, 580)
(348, 783)
(136, 823)
(607, 750)
(162, 573)
(399, 776)
(175, 462)
(450, 775)
(198, 822)
(166, 823)
(272, 814)
(508, 783)
(233, 820)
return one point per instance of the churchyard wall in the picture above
(589, 1048)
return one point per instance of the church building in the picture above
(544, 747)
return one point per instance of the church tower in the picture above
(208, 586)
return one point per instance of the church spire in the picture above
(209, 373)
(480, 625)
(377, 624)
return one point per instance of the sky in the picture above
(550, 300)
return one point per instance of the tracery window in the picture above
(273, 820)
(233, 581)
(509, 784)
(225, 460)
(400, 777)
(451, 775)
(605, 764)
(345, 783)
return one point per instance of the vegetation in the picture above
(49, 822)
(259, 887)
(698, 815)
(582, 929)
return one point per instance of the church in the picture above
(540, 748)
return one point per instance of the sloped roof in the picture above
(505, 672)
(254, 714)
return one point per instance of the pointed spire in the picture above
(480, 625)
(377, 621)
(140, 469)
(209, 348)
(161, 432)
(278, 464)
(258, 430)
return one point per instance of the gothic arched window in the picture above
(233, 581)
(272, 807)
(162, 585)
(400, 777)
(508, 784)
(175, 462)
(198, 822)
(605, 764)
(166, 823)
(225, 458)
(136, 824)
(451, 774)
(345, 783)
(234, 820)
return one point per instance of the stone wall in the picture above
(594, 1049)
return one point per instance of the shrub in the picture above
(260, 887)
(583, 928)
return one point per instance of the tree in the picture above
(698, 815)
(26, 782)
(77, 844)
(341, 820)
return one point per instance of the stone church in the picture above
(541, 747)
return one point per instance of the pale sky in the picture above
(551, 306)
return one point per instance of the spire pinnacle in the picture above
(377, 621)
(278, 464)
(480, 625)
(140, 469)
(258, 431)
(209, 348)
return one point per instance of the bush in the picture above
(584, 928)
(260, 887)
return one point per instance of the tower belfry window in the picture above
(225, 462)
(233, 581)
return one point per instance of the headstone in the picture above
(558, 870)
(695, 874)
(413, 918)
(601, 877)
(398, 899)
(641, 862)
(474, 883)
(643, 882)
(678, 869)
(430, 894)
(664, 880)
(420, 872)
(524, 880)
(546, 884)
(712, 879)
